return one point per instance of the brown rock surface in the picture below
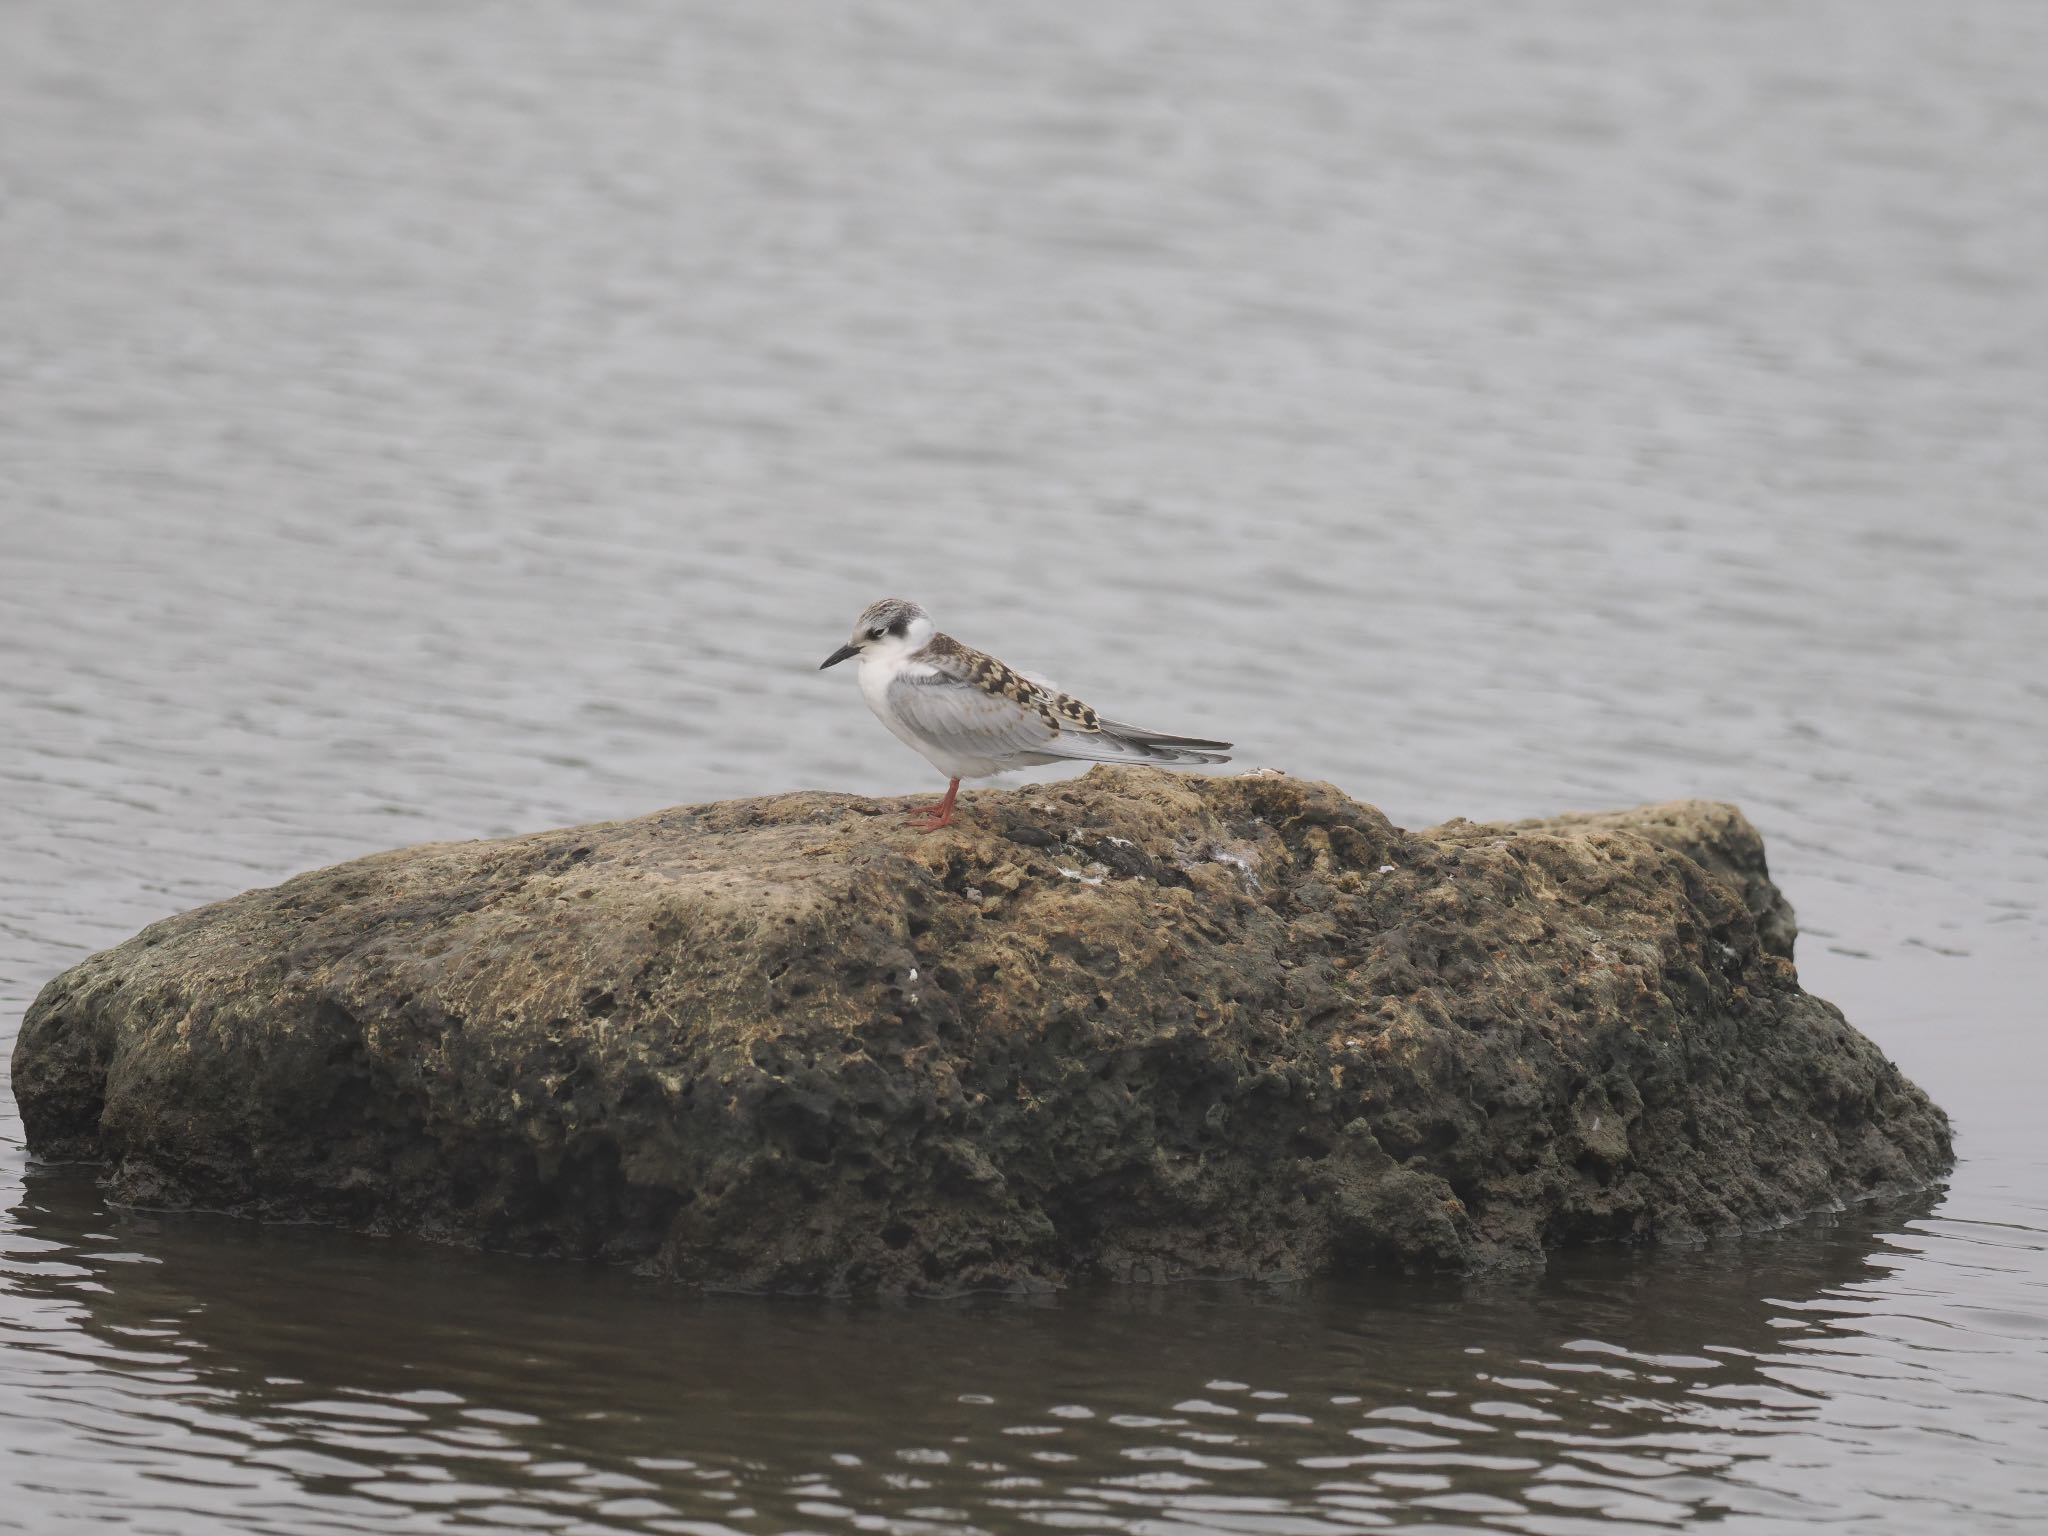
(1139, 1023)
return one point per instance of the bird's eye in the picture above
(875, 633)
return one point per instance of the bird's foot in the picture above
(929, 818)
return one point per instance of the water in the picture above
(436, 421)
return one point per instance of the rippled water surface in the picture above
(437, 420)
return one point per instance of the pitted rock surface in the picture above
(1138, 1024)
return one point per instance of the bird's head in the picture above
(891, 627)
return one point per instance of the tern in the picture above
(972, 716)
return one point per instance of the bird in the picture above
(972, 716)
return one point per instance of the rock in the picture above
(1716, 837)
(1136, 1024)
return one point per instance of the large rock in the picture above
(1138, 1024)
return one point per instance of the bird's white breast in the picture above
(876, 674)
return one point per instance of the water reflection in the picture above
(307, 1380)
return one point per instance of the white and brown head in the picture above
(889, 628)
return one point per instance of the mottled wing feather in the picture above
(977, 669)
(973, 704)
(969, 721)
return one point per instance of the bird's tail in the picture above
(1158, 747)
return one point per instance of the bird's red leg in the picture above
(940, 815)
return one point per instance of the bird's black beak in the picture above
(838, 656)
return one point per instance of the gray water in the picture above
(440, 420)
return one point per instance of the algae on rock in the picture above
(1137, 1024)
